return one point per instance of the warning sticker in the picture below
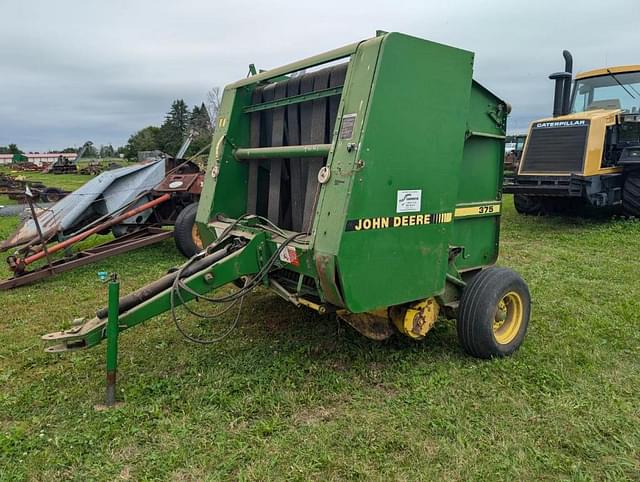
(348, 123)
(289, 255)
(409, 201)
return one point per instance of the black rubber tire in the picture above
(529, 205)
(477, 310)
(183, 231)
(631, 194)
(51, 195)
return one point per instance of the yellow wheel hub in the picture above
(196, 237)
(416, 319)
(508, 318)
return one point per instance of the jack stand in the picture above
(112, 330)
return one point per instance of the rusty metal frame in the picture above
(138, 239)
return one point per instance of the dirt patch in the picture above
(125, 454)
(125, 473)
(339, 365)
(389, 391)
(237, 426)
(183, 475)
(314, 416)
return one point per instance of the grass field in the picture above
(69, 182)
(292, 395)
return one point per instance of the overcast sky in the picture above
(72, 71)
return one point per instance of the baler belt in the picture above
(306, 111)
(338, 75)
(318, 136)
(252, 180)
(275, 169)
(295, 164)
(288, 198)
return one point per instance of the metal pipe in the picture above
(112, 341)
(560, 78)
(95, 229)
(310, 150)
(566, 93)
(39, 230)
(149, 291)
(309, 62)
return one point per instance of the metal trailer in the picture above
(107, 193)
(369, 187)
(135, 223)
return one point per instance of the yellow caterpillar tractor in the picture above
(588, 154)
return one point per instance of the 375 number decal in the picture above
(486, 209)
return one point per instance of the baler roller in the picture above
(256, 153)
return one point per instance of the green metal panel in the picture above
(481, 179)
(343, 161)
(309, 62)
(225, 186)
(413, 135)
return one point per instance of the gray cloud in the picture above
(78, 70)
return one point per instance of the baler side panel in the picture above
(225, 185)
(481, 180)
(330, 216)
(413, 140)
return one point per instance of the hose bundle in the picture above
(237, 297)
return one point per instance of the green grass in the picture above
(5, 201)
(293, 395)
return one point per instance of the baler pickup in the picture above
(364, 181)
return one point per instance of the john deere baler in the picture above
(364, 181)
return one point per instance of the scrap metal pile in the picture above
(132, 203)
(14, 187)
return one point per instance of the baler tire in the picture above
(631, 194)
(530, 206)
(480, 331)
(51, 195)
(184, 232)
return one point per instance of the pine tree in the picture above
(175, 127)
(201, 126)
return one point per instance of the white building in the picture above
(6, 158)
(39, 159)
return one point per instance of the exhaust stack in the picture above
(562, 93)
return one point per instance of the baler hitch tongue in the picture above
(74, 338)
(202, 274)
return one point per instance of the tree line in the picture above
(178, 123)
(168, 137)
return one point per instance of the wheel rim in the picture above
(508, 318)
(195, 235)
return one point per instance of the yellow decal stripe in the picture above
(478, 210)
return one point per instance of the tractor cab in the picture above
(587, 155)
